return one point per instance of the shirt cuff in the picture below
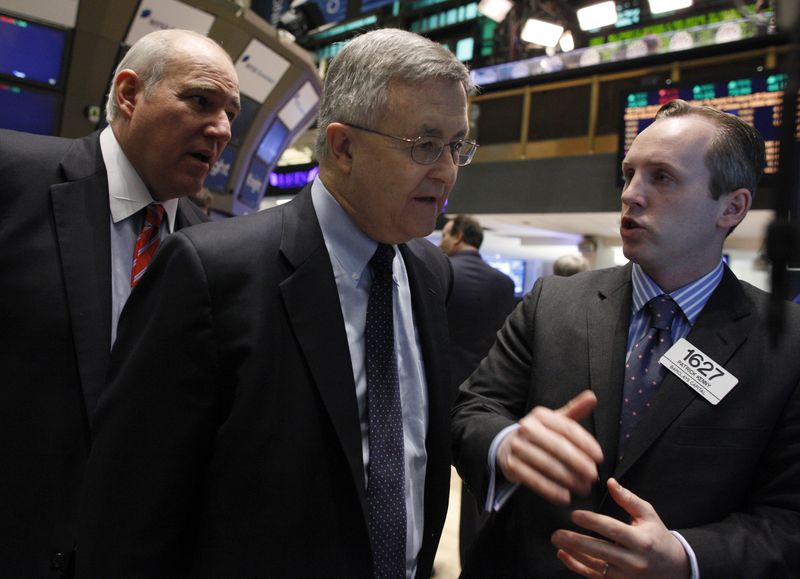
(499, 489)
(689, 553)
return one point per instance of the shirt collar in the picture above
(350, 246)
(127, 193)
(690, 298)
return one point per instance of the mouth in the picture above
(204, 156)
(427, 200)
(628, 224)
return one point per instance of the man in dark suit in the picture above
(707, 483)
(482, 299)
(243, 432)
(70, 214)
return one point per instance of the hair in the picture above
(149, 58)
(470, 229)
(735, 157)
(358, 78)
(568, 265)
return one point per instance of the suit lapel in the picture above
(81, 214)
(607, 321)
(720, 330)
(312, 304)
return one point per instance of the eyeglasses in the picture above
(427, 150)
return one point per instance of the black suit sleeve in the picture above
(162, 380)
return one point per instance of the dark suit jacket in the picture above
(727, 477)
(482, 299)
(55, 334)
(229, 444)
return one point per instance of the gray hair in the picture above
(735, 157)
(356, 85)
(149, 57)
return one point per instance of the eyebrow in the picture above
(212, 89)
(429, 131)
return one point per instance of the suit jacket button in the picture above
(57, 561)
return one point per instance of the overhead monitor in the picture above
(152, 15)
(218, 177)
(755, 99)
(31, 52)
(252, 191)
(26, 109)
(243, 121)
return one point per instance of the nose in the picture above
(219, 126)
(445, 168)
(632, 192)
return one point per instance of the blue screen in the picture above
(255, 183)
(217, 180)
(243, 121)
(513, 268)
(273, 142)
(31, 52)
(32, 111)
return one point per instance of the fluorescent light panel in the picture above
(497, 10)
(597, 15)
(541, 32)
(566, 42)
(659, 6)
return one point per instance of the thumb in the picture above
(580, 407)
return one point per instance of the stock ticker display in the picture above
(758, 100)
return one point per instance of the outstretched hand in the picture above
(643, 548)
(551, 453)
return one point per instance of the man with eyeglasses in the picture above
(279, 400)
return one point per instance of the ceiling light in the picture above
(541, 32)
(497, 10)
(659, 6)
(597, 15)
(566, 42)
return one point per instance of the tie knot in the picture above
(154, 215)
(381, 261)
(662, 312)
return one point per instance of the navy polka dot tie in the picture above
(385, 489)
(643, 373)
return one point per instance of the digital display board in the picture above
(31, 52)
(218, 177)
(241, 124)
(272, 144)
(757, 100)
(29, 110)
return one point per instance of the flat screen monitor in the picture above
(218, 177)
(30, 110)
(513, 268)
(756, 99)
(32, 52)
(273, 143)
(243, 120)
(252, 191)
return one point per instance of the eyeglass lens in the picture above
(428, 149)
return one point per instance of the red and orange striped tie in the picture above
(147, 243)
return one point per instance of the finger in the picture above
(555, 456)
(571, 431)
(580, 407)
(574, 562)
(607, 527)
(636, 507)
(528, 464)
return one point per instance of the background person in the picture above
(71, 213)
(482, 299)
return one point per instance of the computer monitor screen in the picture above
(26, 109)
(252, 191)
(243, 120)
(217, 180)
(756, 99)
(31, 52)
(513, 268)
(272, 144)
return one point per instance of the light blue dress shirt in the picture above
(350, 251)
(691, 300)
(127, 196)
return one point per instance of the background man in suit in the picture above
(70, 215)
(724, 477)
(482, 299)
(244, 433)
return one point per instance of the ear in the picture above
(736, 205)
(127, 93)
(340, 147)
